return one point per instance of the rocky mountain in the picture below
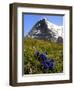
(46, 30)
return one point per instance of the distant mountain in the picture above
(46, 30)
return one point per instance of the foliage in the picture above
(52, 50)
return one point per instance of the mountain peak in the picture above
(44, 18)
(46, 30)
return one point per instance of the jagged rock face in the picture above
(45, 30)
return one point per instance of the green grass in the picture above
(33, 66)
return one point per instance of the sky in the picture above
(31, 19)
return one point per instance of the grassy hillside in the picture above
(54, 50)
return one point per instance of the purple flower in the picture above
(51, 64)
(43, 57)
(48, 64)
(44, 64)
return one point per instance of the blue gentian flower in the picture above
(43, 62)
(51, 64)
(46, 66)
(43, 57)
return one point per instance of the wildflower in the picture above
(43, 62)
(43, 57)
(46, 66)
(51, 64)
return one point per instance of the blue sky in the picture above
(31, 19)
